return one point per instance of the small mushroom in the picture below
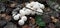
(16, 17)
(21, 22)
(24, 18)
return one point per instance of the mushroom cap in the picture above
(21, 22)
(39, 10)
(24, 18)
(28, 12)
(22, 12)
(16, 17)
(41, 6)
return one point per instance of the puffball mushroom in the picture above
(22, 12)
(24, 18)
(32, 3)
(21, 22)
(28, 5)
(42, 6)
(33, 13)
(16, 17)
(35, 4)
(28, 11)
(39, 10)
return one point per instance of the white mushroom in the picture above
(39, 10)
(33, 13)
(16, 17)
(28, 5)
(24, 18)
(22, 12)
(21, 22)
(28, 12)
(42, 6)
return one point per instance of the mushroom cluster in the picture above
(31, 8)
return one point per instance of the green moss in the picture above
(39, 20)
